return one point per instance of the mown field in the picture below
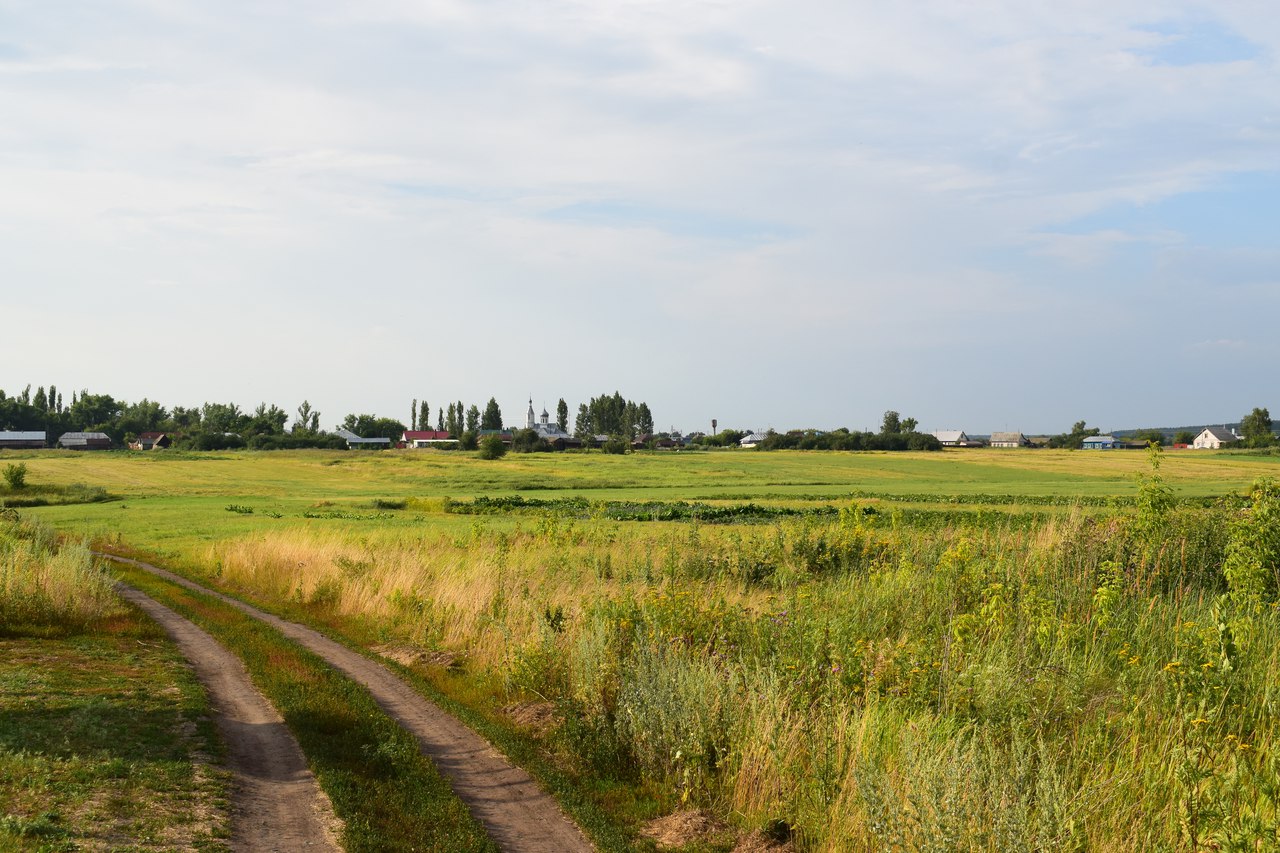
(986, 650)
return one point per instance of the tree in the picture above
(371, 426)
(492, 418)
(892, 423)
(307, 420)
(473, 419)
(528, 441)
(909, 424)
(424, 416)
(491, 447)
(1256, 427)
(1150, 436)
(562, 415)
(16, 476)
(413, 413)
(1074, 440)
(644, 419)
(1185, 436)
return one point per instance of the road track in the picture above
(276, 805)
(518, 815)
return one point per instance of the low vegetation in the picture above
(104, 733)
(916, 667)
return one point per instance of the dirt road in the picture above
(276, 804)
(517, 814)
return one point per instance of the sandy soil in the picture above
(518, 815)
(276, 803)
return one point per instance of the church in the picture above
(543, 426)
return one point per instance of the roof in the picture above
(151, 435)
(9, 435)
(1007, 436)
(1100, 439)
(84, 436)
(425, 435)
(945, 435)
(352, 438)
(1221, 433)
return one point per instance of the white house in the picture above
(1212, 438)
(951, 437)
(753, 439)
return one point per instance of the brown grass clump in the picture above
(684, 828)
(537, 716)
(760, 842)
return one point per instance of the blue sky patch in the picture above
(1201, 42)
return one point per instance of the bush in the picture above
(16, 475)
(468, 441)
(616, 446)
(491, 447)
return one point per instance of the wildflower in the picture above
(1207, 665)
(1133, 660)
(1244, 747)
(1199, 721)
(1172, 666)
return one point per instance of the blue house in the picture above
(1101, 442)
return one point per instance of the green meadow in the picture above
(976, 650)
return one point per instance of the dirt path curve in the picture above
(518, 815)
(276, 804)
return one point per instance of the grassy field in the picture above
(105, 739)
(961, 650)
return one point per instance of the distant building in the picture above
(10, 440)
(85, 441)
(752, 439)
(151, 441)
(355, 442)
(1212, 438)
(426, 438)
(1101, 442)
(1009, 439)
(544, 428)
(955, 438)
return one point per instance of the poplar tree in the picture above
(492, 416)
(562, 415)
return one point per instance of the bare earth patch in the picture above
(536, 716)
(412, 656)
(759, 842)
(684, 828)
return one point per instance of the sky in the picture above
(987, 215)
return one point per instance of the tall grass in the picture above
(1083, 682)
(45, 584)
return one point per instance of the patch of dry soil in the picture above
(518, 815)
(276, 804)
(684, 828)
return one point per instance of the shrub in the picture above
(491, 447)
(16, 475)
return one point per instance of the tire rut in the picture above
(518, 815)
(276, 804)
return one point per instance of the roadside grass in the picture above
(1010, 673)
(105, 736)
(388, 795)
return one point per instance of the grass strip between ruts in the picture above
(387, 793)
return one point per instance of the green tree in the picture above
(909, 424)
(16, 475)
(1150, 436)
(473, 420)
(644, 419)
(562, 415)
(1256, 428)
(1185, 436)
(307, 421)
(492, 418)
(491, 447)
(371, 426)
(892, 423)
(413, 413)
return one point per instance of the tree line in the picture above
(223, 426)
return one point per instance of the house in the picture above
(1009, 439)
(151, 441)
(85, 441)
(954, 438)
(355, 442)
(10, 440)
(1101, 442)
(427, 438)
(1212, 438)
(752, 439)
